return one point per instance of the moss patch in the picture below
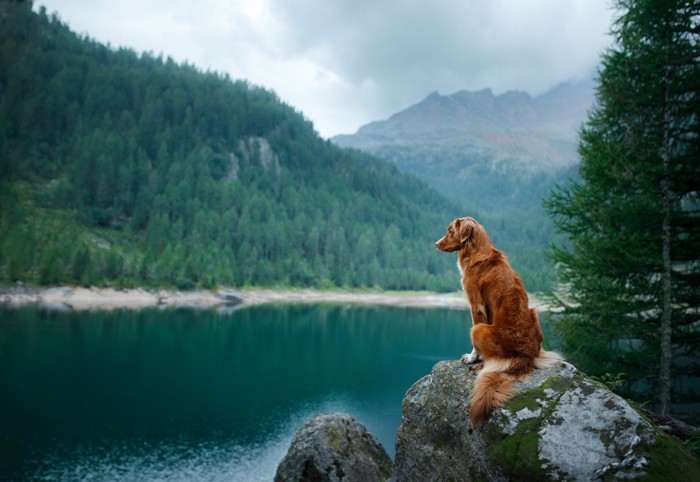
(529, 399)
(337, 440)
(668, 461)
(517, 454)
(525, 400)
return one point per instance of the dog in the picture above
(505, 332)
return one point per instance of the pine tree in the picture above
(82, 265)
(165, 161)
(631, 271)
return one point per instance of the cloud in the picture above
(410, 47)
(344, 63)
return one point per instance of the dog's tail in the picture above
(547, 359)
(494, 384)
(493, 387)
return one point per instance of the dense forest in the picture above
(125, 169)
(506, 200)
(630, 271)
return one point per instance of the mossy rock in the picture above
(560, 425)
(334, 447)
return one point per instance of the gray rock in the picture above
(334, 447)
(560, 425)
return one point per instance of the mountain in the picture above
(537, 133)
(497, 157)
(132, 170)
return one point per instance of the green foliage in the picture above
(613, 382)
(128, 169)
(692, 445)
(639, 173)
(82, 266)
(507, 200)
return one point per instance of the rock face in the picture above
(561, 425)
(541, 131)
(334, 447)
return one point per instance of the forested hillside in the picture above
(131, 169)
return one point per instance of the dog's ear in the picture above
(464, 228)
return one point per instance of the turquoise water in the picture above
(198, 395)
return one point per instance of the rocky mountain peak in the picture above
(541, 130)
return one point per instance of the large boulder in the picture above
(334, 447)
(561, 425)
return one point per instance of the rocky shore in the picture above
(560, 425)
(79, 298)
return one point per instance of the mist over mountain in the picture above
(497, 157)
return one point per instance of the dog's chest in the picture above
(462, 276)
(464, 280)
(468, 281)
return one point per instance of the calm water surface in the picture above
(193, 395)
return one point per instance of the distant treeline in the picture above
(133, 170)
(507, 200)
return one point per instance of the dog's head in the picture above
(461, 232)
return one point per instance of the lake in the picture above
(181, 395)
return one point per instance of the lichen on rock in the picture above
(560, 425)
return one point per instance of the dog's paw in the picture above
(469, 358)
(477, 367)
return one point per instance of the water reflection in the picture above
(186, 395)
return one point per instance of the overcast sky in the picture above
(344, 63)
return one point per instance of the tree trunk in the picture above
(665, 368)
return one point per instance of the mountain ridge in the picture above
(544, 126)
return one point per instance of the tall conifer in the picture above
(630, 273)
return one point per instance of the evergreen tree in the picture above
(157, 173)
(82, 265)
(630, 274)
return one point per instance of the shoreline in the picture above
(69, 298)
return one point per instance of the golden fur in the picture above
(505, 332)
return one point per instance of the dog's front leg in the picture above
(479, 314)
(470, 358)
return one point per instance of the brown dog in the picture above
(506, 333)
